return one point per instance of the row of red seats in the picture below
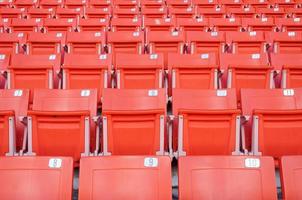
(139, 177)
(203, 122)
(148, 24)
(189, 12)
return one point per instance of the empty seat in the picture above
(131, 12)
(110, 175)
(205, 4)
(257, 3)
(25, 25)
(225, 24)
(291, 69)
(206, 42)
(61, 123)
(38, 13)
(212, 12)
(159, 24)
(192, 24)
(4, 62)
(34, 177)
(231, 3)
(59, 25)
(247, 71)
(289, 24)
(226, 177)
(45, 43)
(273, 120)
(290, 176)
(193, 71)
(50, 4)
(283, 3)
(187, 12)
(135, 71)
(13, 110)
(93, 24)
(25, 3)
(243, 12)
(178, 3)
(165, 42)
(68, 13)
(85, 42)
(126, 24)
(4, 24)
(11, 12)
(258, 24)
(11, 42)
(271, 12)
(296, 12)
(100, 3)
(139, 117)
(97, 13)
(125, 3)
(208, 122)
(87, 71)
(152, 3)
(247, 42)
(5, 4)
(156, 13)
(75, 3)
(285, 42)
(33, 71)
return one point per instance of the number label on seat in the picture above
(151, 162)
(55, 163)
(252, 163)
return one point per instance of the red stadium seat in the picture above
(4, 24)
(25, 3)
(291, 176)
(110, 175)
(85, 42)
(4, 62)
(45, 43)
(51, 4)
(11, 42)
(187, 12)
(152, 3)
(75, 3)
(36, 177)
(289, 24)
(227, 177)
(242, 12)
(271, 12)
(225, 24)
(25, 25)
(285, 42)
(231, 3)
(100, 3)
(283, 3)
(296, 12)
(93, 24)
(87, 71)
(139, 117)
(38, 13)
(291, 69)
(69, 13)
(126, 24)
(11, 12)
(61, 123)
(5, 4)
(97, 13)
(13, 109)
(208, 124)
(257, 3)
(274, 121)
(206, 42)
(131, 12)
(192, 24)
(159, 24)
(157, 13)
(212, 12)
(139, 71)
(258, 24)
(247, 42)
(205, 4)
(178, 3)
(125, 3)
(59, 25)
(193, 71)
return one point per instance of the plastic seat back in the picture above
(25, 25)
(97, 13)
(258, 24)
(126, 24)
(223, 24)
(93, 24)
(59, 25)
(11, 42)
(192, 24)
(286, 42)
(159, 24)
(289, 24)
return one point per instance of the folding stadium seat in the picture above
(11, 12)
(231, 3)
(192, 24)
(4, 24)
(178, 3)
(45, 43)
(291, 177)
(59, 25)
(285, 42)
(225, 24)
(271, 12)
(75, 3)
(283, 3)
(5, 3)
(156, 13)
(247, 71)
(139, 117)
(289, 24)
(25, 3)
(85, 42)
(166, 42)
(63, 123)
(152, 4)
(70, 13)
(125, 42)
(51, 4)
(94, 24)
(206, 42)
(226, 177)
(135, 71)
(36, 177)
(4, 62)
(126, 24)
(295, 12)
(188, 12)
(125, 3)
(257, 3)
(193, 71)
(274, 121)
(243, 12)
(97, 13)
(100, 3)
(87, 71)
(126, 12)
(207, 122)
(12, 42)
(33, 71)
(38, 13)
(205, 4)
(13, 109)
(258, 24)
(160, 24)
(25, 25)
(212, 12)
(113, 182)
(291, 69)
(247, 42)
